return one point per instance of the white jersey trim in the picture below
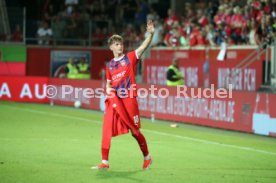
(118, 59)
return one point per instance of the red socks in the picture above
(142, 143)
(139, 138)
(105, 154)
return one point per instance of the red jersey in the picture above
(203, 21)
(121, 72)
(169, 21)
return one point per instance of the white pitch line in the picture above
(39, 139)
(4, 139)
(151, 131)
(211, 142)
(54, 114)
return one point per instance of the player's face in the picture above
(117, 47)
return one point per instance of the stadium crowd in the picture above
(236, 22)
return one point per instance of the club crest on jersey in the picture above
(123, 62)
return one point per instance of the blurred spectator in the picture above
(170, 20)
(44, 33)
(227, 21)
(256, 10)
(174, 75)
(197, 36)
(219, 17)
(273, 11)
(71, 69)
(158, 39)
(211, 10)
(189, 13)
(220, 35)
(265, 30)
(58, 26)
(71, 28)
(152, 15)
(17, 34)
(238, 23)
(83, 69)
(174, 39)
(49, 14)
(253, 37)
(70, 6)
(267, 7)
(210, 34)
(201, 18)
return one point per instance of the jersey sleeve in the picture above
(107, 73)
(133, 57)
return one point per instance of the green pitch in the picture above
(54, 144)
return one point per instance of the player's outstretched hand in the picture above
(150, 26)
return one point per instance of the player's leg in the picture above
(140, 138)
(144, 148)
(106, 141)
(133, 112)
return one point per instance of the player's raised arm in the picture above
(150, 29)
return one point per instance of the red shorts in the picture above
(132, 109)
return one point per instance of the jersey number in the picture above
(136, 119)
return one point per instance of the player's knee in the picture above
(136, 133)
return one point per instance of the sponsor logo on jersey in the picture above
(118, 76)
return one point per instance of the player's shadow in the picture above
(111, 174)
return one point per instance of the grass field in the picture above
(54, 144)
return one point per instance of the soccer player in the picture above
(122, 113)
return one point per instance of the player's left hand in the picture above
(150, 26)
